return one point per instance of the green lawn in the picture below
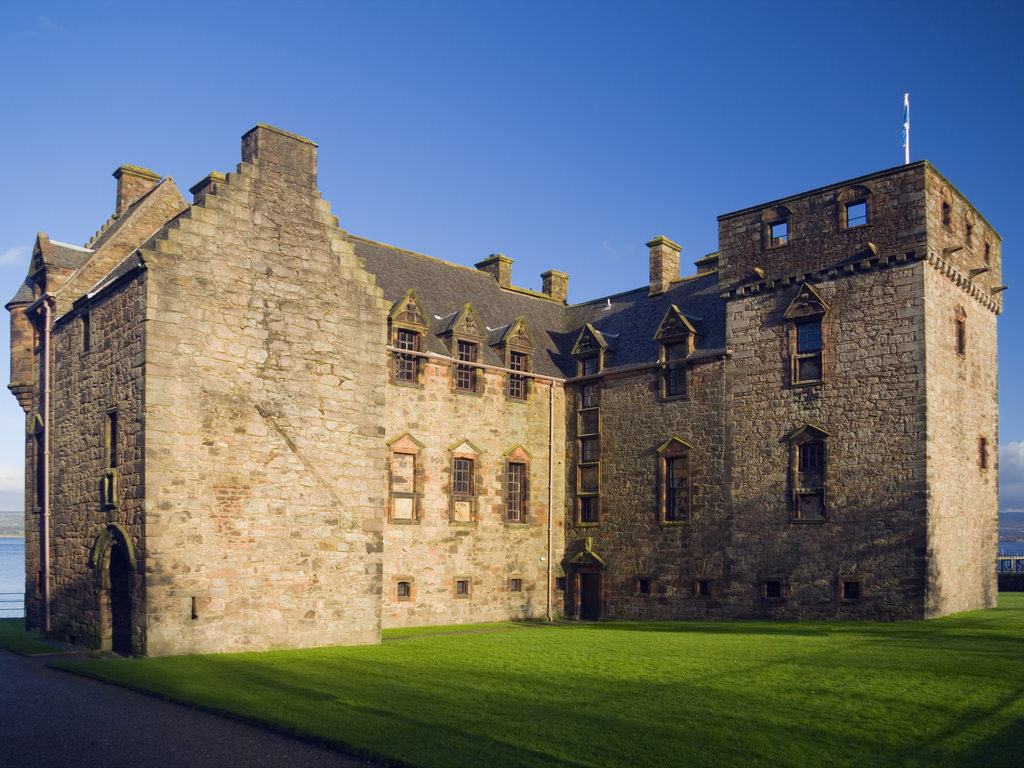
(944, 692)
(13, 637)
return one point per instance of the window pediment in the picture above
(408, 312)
(806, 433)
(674, 325)
(517, 335)
(806, 304)
(590, 340)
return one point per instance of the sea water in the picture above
(12, 578)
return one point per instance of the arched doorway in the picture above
(120, 600)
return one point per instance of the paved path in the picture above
(53, 719)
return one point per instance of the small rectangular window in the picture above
(462, 477)
(591, 396)
(517, 361)
(780, 233)
(856, 214)
(772, 590)
(703, 588)
(588, 509)
(677, 483)
(590, 449)
(811, 457)
(462, 588)
(515, 492)
(407, 366)
(86, 332)
(590, 366)
(515, 585)
(465, 375)
(560, 583)
(403, 590)
(946, 215)
(983, 453)
(644, 586)
(807, 361)
(850, 590)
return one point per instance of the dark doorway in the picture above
(120, 601)
(590, 596)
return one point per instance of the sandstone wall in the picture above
(88, 386)
(432, 552)
(634, 422)
(265, 473)
(871, 402)
(963, 408)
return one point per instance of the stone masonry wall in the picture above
(871, 403)
(634, 422)
(87, 387)
(963, 409)
(265, 473)
(434, 552)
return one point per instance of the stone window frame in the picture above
(846, 592)
(773, 588)
(670, 453)
(807, 311)
(643, 585)
(773, 218)
(960, 331)
(515, 584)
(86, 319)
(849, 197)
(467, 372)
(589, 506)
(465, 451)
(946, 208)
(808, 474)
(407, 316)
(406, 445)
(515, 348)
(704, 588)
(517, 456)
(409, 590)
(462, 586)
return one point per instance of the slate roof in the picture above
(107, 234)
(69, 256)
(25, 294)
(628, 321)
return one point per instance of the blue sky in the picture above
(562, 134)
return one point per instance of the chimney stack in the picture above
(499, 267)
(132, 183)
(664, 264)
(556, 285)
(207, 186)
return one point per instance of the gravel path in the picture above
(50, 718)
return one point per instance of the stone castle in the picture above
(250, 429)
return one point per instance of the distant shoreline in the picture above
(8, 536)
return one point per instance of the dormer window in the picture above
(676, 338)
(591, 351)
(514, 347)
(590, 366)
(465, 375)
(517, 361)
(408, 328)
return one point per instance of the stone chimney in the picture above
(292, 158)
(499, 267)
(556, 285)
(708, 264)
(132, 183)
(207, 186)
(664, 264)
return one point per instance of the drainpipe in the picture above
(551, 489)
(44, 532)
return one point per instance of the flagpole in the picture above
(906, 128)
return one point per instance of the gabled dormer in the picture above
(515, 348)
(592, 351)
(675, 337)
(463, 337)
(407, 327)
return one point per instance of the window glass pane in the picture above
(462, 471)
(812, 457)
(856, 214)
(588, 422)
(514, 499)
(780, 233)
(588, 509)
(677, 479)
(590, 366)
(591, 396)
(808, 337)
(589, 449)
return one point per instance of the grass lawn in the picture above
(13, 637)
(945, 692)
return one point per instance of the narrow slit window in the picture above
(516, 491)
